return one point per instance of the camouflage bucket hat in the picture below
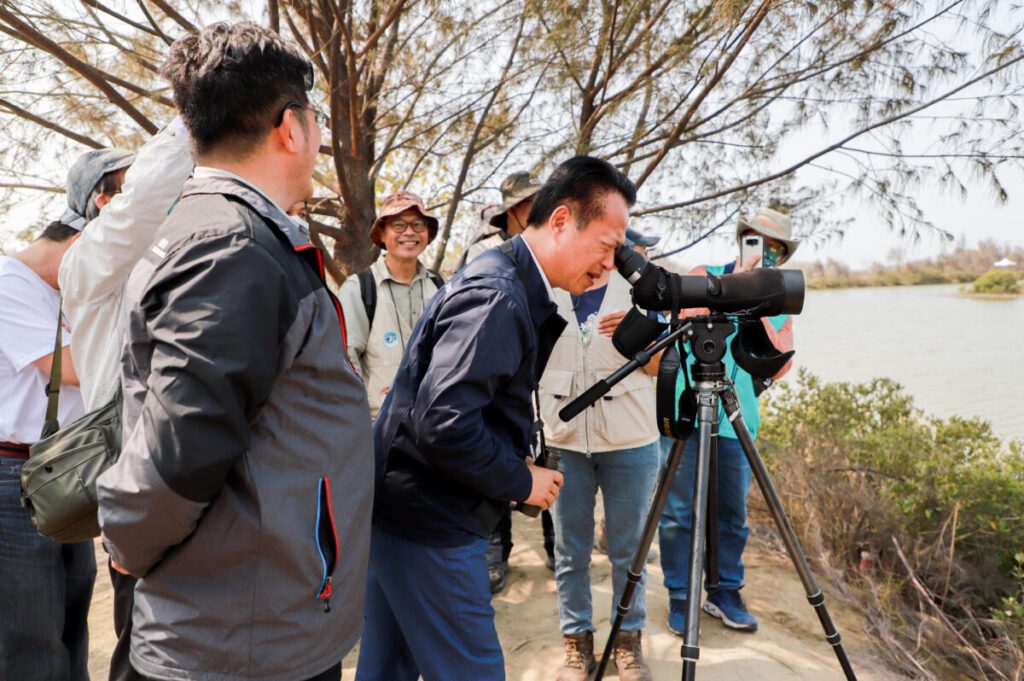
(772, 224)
(394, 204)
(515, 189)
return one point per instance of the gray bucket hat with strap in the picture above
(515, 189)
(83, 177)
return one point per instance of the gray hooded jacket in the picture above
(243, 493)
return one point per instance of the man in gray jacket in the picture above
(242, 495)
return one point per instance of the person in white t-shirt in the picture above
(45, 587)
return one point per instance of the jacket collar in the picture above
(539, 301)
(255, 200)
(543, 309)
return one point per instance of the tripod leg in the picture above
(796, 554)
(636, 568)
(707, 413)
(711, 536)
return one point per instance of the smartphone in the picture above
(750, 247)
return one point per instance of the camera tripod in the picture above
(708, 337)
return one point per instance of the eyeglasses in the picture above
(321, 118)
(398, 227)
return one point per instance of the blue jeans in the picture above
(45, 589)
(626, 479)
(428, 612)
(676, 519)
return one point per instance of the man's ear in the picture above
(103, 199)
(561, 219)
(290, 134)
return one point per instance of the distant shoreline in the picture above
(988, 296)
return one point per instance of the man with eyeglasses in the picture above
(242, 497)
(774, 229)
(383, 303)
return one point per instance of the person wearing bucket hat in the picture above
(383, 302)
(508, 219)
(734, 473)
(92, 181)
(777, 230)
(93, 276)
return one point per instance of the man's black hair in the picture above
(57, 231)
(110, 183)
(231, 83)
(580, 183)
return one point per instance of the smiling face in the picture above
(583, 256)
(413, 237)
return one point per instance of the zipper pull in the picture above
(326, 595)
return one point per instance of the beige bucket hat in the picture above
(772, 224)
(393, 204)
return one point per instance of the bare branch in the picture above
(117, 15)
(87, 71)
(33, 187)
(174, 16)
(273, 16)
(49, 125)
(832, 147)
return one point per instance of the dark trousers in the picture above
(45, 591)
(428, 614)
(500, 547)
(124, 600)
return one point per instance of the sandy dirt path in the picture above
(788, 647)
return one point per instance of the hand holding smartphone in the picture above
(751, 246)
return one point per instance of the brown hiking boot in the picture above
(579, 657)
(629, 658)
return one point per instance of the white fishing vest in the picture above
(625, 417)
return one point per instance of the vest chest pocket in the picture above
(556, 391)
(627, 413)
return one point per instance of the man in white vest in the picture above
(383, 303)
(612, 446)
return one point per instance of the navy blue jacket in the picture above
(452, 434)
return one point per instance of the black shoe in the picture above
(497, 574)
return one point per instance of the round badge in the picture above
(390, 339)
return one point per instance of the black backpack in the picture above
(368, 290)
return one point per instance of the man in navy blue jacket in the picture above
(453, 435)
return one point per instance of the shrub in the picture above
(861, 469)
(996, 281)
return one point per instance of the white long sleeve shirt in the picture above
(95, 268)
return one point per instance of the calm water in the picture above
(955, 355)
